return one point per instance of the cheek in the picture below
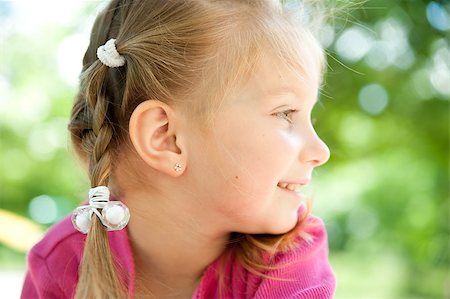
(255, 164)
(259, 151)
(253, 157)
(247, 197)
(269, 155)
(253, 154)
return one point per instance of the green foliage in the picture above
(383, 113)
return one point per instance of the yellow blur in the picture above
(18, 232)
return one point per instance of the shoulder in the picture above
(62, 235)
(304, 272)
(307, 272)
(311, 248)
(52, 263)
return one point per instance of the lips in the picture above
(304, 181)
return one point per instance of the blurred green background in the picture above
(384, 113)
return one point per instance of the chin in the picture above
(282, 227)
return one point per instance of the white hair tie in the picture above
(114, 215)
(108, 54)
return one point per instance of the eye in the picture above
(286, 113)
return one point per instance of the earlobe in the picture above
(152, 130)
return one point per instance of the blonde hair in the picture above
(178, 52)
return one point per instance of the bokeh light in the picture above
(373, 98)
(438, 16)
(43, 209)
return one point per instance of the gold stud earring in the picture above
(177, 167)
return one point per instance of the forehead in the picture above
(273, 79)
(286, 90)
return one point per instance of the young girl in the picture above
(193, 122)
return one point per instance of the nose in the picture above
(315, 151)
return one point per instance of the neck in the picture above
(172, 244)
(146, 284)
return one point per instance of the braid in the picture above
(100, 136)
(92, 131)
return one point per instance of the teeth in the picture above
(291, 187)
(283, 185)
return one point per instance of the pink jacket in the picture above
(53, 268)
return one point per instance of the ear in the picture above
(152, 130)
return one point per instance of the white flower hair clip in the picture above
(108, 54)
(114, 214)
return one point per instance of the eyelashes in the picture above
(285, 114)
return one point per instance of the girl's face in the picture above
(261, 142)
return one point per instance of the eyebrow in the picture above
(286, 90)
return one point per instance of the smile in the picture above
(296, 193)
